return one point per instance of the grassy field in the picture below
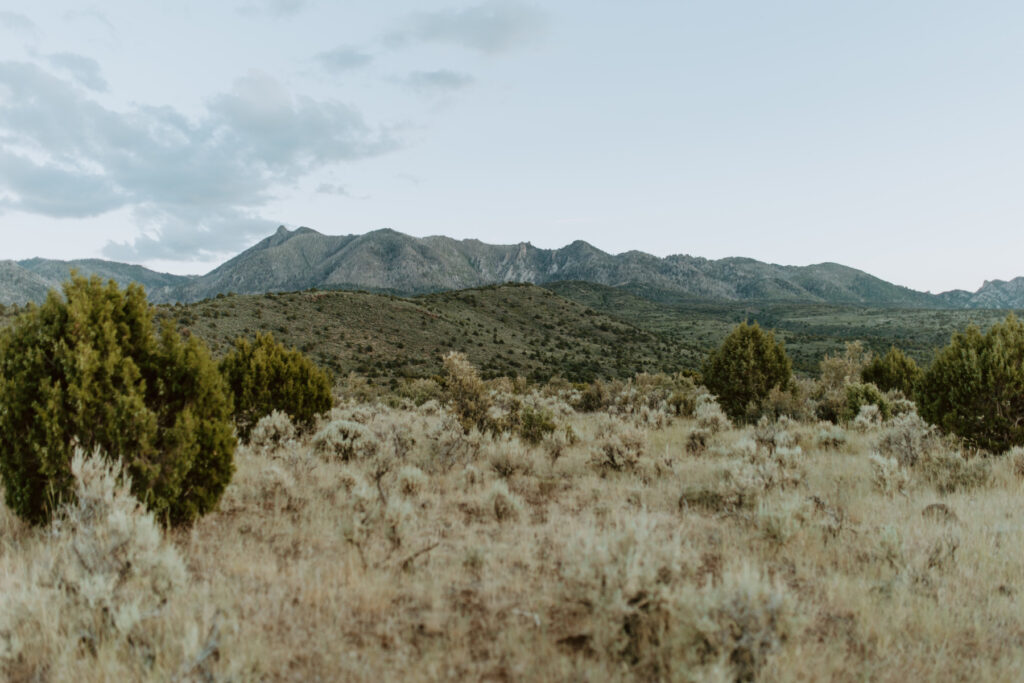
(391, 545)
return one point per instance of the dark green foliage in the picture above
(894, 370)
(265, 376)
(863, 394)
(975, 386)
(745, 368)
(89, 370)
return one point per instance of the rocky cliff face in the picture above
(389, 261)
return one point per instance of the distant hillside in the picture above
(809, 329)
(505, 330)
(391, 262)
(19, 286)
(31, 279)
(388, 261)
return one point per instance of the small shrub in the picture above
(420, 391)
(697, 441)
(868, 417)
(908, 438)
(710, 416)
(272, 432)
(950, 472)
(558, 441)
(745, 368)
(618, 446)
(99, 581)
(503, 504)
(265, 376)
(893, 371)
(466, 392)
(836, 374)
(830, 436)
(858, 395)
(345, 440)
(736, 624)
(1016, 457)
(411, 480)
(594, 398)
(535, 424)
(888, 476)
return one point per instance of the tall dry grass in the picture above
(390, 544)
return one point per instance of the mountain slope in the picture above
(388, 261)
(19, 285)
(31, 279)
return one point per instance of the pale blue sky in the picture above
(882, 135)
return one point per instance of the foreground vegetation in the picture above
(625, 543)
(452, 526)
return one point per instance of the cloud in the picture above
(13, 21)
(337, 190)
(91, 15)
(195, 185)
(85, 70)
(492, 27)
(442, 80)
(343, 58)
(277, 8)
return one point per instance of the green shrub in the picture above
(594, 397)
(535, 424)
(88, 370)
(975, 386)
(265, 376)
(895, 370)
(861, 394)
(745, 368)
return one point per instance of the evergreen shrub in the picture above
(88, 370)
(264, 376)
(745, 368)
(975, 386)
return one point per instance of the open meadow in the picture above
(645, 539)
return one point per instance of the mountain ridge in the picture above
(392, 262)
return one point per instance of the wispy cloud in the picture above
(440, 81)
(332, 189)
(12, 21)
(492, 27)
(343, 58)
(278, 8)
(195, 185)
(85, 70)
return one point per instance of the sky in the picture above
(886, 136)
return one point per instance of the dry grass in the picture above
(391, 545)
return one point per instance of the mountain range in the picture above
(395, 263)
